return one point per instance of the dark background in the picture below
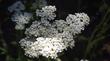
(96, 9)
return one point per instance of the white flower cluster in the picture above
(77, 22)
(47, 12)
(38, 3)
(48, 47)
(16, 7)
(19, 17)
(48, 38)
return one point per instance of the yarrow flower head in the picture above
(48, 47)
(21, 19)
(38, 3)
(47, 36)
(16, 7)
(77, 22)
(47, 12)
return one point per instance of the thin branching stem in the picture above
(93, 40)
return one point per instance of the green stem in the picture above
(91, 40)
(4, 44)
(2, 49)
(49, 59)
(104, 28)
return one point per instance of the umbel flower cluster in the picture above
(48, 36)
(21, 18)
